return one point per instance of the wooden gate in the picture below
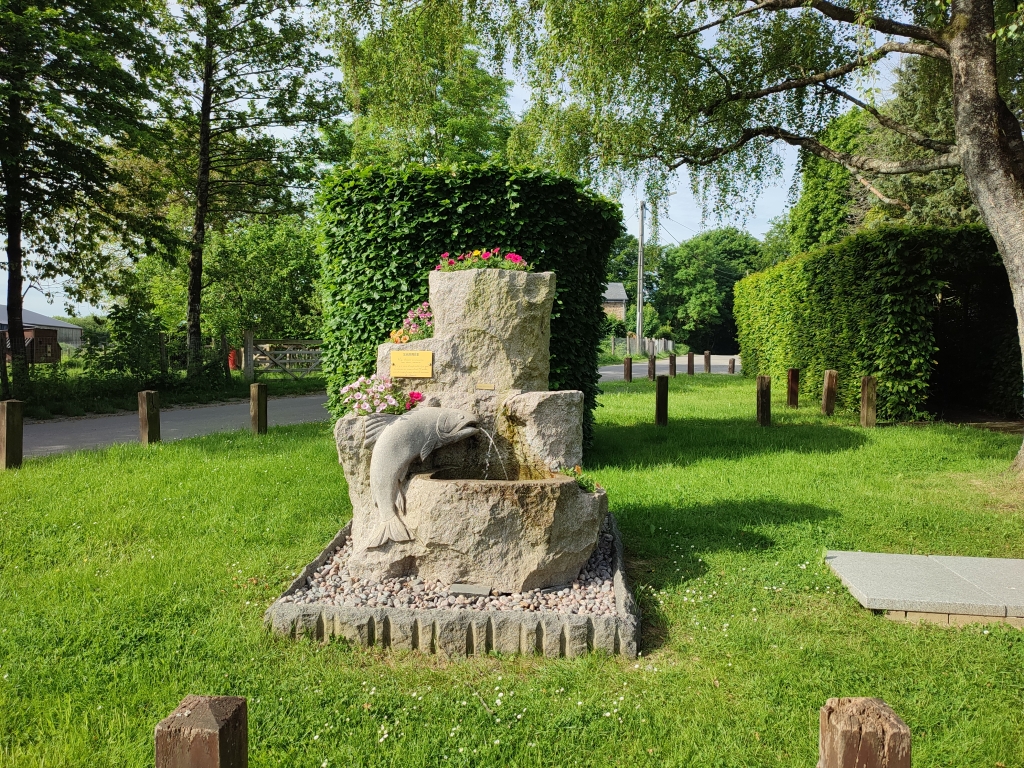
(296, 357)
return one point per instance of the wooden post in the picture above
(204, 732)
(652, 363)
(149, 416)
(163, 354)
(247, 359)
(258, 408)
(793, 388)
(613, 343)
(707, 361)
(868, 386)
(661, 402)
(5, 385)
(672, 364)
(12, 432)
(689, 363)
(828, 393)
(862, 733)
(224, 352)
(764, 401)
(627, 369)
(732, 365)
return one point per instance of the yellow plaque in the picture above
(412, 365)
(485, 385)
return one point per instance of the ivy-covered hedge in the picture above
(927, 310)
(382, 231)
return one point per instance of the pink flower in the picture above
(416, 396)
(485, 255)
(444, 255)
(408, 404)
(451, 262)
(438, 267)
(514, 257)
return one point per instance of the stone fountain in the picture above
(467, 490)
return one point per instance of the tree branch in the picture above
(849, 16)
(877, 193)
(915, 136)
(821, 77)
(950, 159)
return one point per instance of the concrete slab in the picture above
(912, 583)
(1000, 577)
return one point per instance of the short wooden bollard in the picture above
(862, 733)
(707, 362)
(689, 363)
(868, 387)
(828, 392)
(793, 388)
(204, 732)
(652, 363)
(661, 402)
(258, 408)
(732, 365)
(627, 369)
(12, 433)
(149, 416)
(764, 401)
(672, 365)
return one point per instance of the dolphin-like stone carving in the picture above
(396, 441)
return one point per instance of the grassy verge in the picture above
(144, 579)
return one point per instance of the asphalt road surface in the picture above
(46, 437)
(719, 364)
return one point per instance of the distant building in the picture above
(614, 303)
(66, 332)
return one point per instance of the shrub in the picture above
(383, 228)
(915, 307)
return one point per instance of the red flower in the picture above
(451, 262)
(416, 396)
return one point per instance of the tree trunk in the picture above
(195, 261)
(990, 141)
(14, 224)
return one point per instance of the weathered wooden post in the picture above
(862, 733)
(793, 388)
(204, 732)
(627, 369)
(248, 365)
(12, 432)
(689, 363)
(828, 393)
(258, 408)
(149, 416)
(764, 401)
(868, 387)
(672, 364)
(661, 402)
(652, 363)
(224, 353)
(732, 365)
(707, 361)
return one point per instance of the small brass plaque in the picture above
(485, 385)
(412, 365)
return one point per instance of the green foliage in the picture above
(383, 228)
(696, 291)
(419, 92)
(822, 214)
(651, 321)
(887, 303)
(482, 259)
(622, 268)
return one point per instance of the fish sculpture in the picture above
(396, 441)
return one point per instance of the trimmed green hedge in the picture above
(383, 229)
(927, 310)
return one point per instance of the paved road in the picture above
(719, 364)
(46, 437)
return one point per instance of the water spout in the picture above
(487, 456)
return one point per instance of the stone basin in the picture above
(509, 535)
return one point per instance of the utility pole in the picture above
(640, 281)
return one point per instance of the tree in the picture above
(242, 100)
(72, 85)
(697, 287)
(622, 268)
(419, 92)
(714, 87)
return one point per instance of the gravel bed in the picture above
(591, 594)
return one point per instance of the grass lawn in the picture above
(131, 577)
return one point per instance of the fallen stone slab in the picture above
(926, 587)
(462, 632)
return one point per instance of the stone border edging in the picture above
(463, 632)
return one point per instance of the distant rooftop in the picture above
(615, 292)
(34, 320)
